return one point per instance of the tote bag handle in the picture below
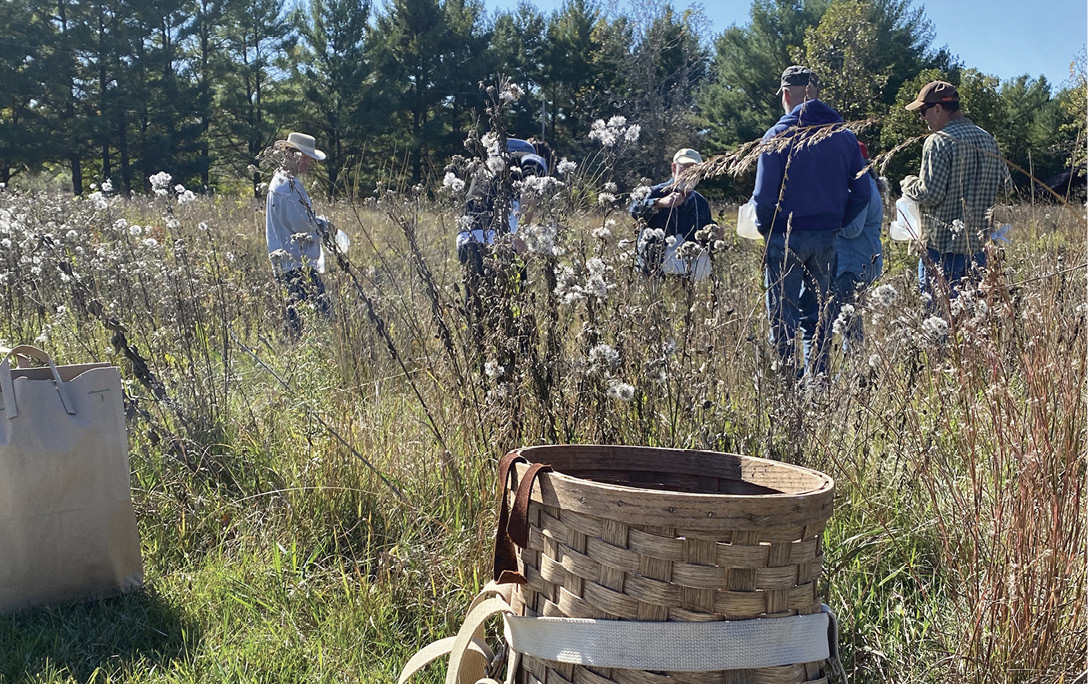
(20, 357)
(7, 387)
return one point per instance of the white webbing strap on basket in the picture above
(672, 646)
(631, 645)
(477, 659)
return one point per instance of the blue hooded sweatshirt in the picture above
(823, 191)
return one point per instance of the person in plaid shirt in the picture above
(962, 171)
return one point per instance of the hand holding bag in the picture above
(67, 527)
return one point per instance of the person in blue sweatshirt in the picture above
(673, 213)
(808, 186)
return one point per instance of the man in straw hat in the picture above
(956, 188)
(293, 231)
(809, 184)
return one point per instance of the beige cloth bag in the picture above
(67, 527)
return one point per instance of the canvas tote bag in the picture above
(67, 527)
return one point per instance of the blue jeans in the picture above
(303, 284)
(798, 281)
(953, 268)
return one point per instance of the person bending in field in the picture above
(293, 232)
(860, 257)
(493, 209)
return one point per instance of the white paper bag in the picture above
(67, 527)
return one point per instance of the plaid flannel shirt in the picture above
(961, 173)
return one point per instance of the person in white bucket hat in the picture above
(294, 232)
(674, 217)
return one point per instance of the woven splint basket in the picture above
(645, 534)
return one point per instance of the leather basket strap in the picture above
(518, 527)
(506, 554)
(512, 529)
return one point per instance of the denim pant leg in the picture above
(816, 253)
(303, 284)
(782, 279)
(954, 268)
(292, 282)
(471, 256)
(321, 300)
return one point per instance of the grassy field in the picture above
(317, 510)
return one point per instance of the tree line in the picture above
(123, 89)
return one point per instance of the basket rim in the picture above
(686, 510)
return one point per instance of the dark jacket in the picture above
(483, 190)
(681, 221)
(822, 192)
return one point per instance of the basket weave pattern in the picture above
(616, 566)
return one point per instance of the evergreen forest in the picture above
(123, 89)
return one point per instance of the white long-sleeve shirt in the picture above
(291, 229)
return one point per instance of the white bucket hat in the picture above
(305, 144)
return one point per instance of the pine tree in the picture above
(518, 53)
(203, 41)
(64, 94)
(569, 74)
(741, 101)
(1031, 133)
(666, 69)
(166, 128)
(427, 60)
(20, 72)
(333, 78)
(250, 100)
(104, 50)
(1074, 103)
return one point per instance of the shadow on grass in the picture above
(90, 642)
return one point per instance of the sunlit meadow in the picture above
(316, 510)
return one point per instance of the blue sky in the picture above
(1004, 38)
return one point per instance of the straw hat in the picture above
(304, 144)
